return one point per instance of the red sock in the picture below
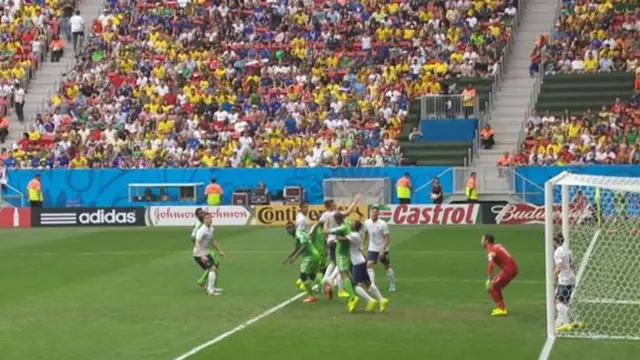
(496, 294)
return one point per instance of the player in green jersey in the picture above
(317, 238)
(310, 257)
(343, 257)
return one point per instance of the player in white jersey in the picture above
(566, 276)
(376, 234)
(203, 255)
(302, 224)
(202, 281)
(363, 285)
(329, 222)
(302, 218)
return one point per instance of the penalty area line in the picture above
(239, 328)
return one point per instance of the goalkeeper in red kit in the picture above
(498, 255)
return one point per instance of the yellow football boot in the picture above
(353, 304)
(384, 303)
(499, 312)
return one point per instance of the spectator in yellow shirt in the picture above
(574, 128)
(590, 64)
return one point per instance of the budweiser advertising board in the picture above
(185, 215)
(447, 214)
(522, 213)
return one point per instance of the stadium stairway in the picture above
(514, 93)
(45, 83)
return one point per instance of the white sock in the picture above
(562, 311)
(391, 276)
(572, 314)
(327, 274)
(339, 283)
(363, 293)
(334, 275)
(372, 275)
(211, 282)
(375, 292)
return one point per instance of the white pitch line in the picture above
(238, 328)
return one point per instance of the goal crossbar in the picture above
(605, 182)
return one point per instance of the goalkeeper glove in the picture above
(488, 285)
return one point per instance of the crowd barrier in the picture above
(497, 213)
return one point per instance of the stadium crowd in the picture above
(589, 36)
(25, 28)
(258, 83)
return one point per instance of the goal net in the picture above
(374, 190)
(598, 217)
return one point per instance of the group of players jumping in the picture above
(331, 253)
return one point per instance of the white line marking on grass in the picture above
(238, 328)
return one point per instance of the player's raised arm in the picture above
(352, 206)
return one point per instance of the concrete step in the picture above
(49, 75)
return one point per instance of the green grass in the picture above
(131, 294)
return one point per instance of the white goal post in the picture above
(598, 217)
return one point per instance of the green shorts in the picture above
(308, 265)
(214, 256)
(343, 262)
(321, 263)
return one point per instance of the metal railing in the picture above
(484, 183)
(4, 197)
(523, 194)
(447, 107)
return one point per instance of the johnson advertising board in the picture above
(185, 215)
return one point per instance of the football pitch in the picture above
(98, 293)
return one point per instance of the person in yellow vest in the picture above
(468, 100)
(472, 190)
(34, 191)
(403, 189)
(214, 193)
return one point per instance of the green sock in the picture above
(308, 287)
(203, 277)
(348, 287)
(319, 278)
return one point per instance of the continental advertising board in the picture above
(278, 215)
